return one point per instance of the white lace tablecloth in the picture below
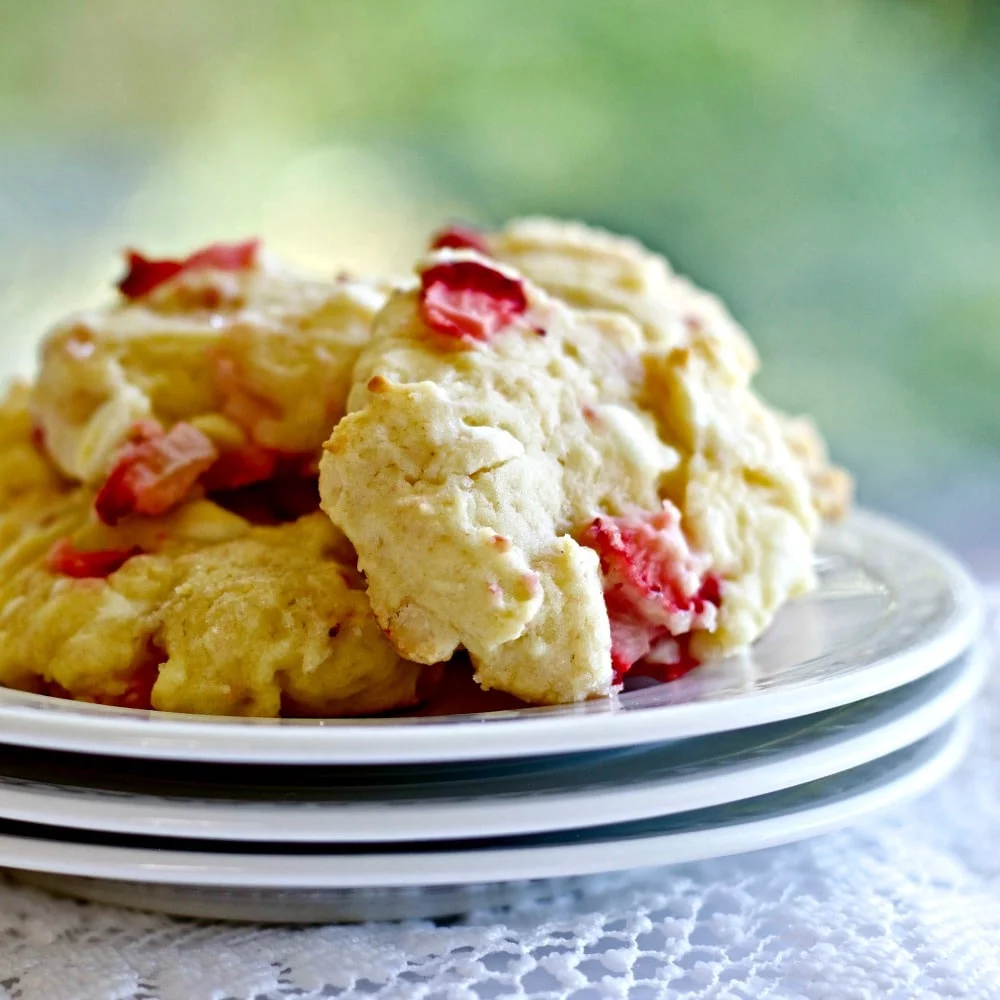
(907, 905)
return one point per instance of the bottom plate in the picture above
(305, 906)
(351, 882)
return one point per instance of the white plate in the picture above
(766, 821)
(892, 607)
(502, 798)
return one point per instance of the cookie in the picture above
(197, 610)
(569, 483)
(226, 361)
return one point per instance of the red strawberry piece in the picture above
(263, 485)
(467, 298)
(138, 691)
(67, 560)
(710, 592)
(240, 467)
(225, 256)
(143, 274)
(652, 590)
(639, 560)
(460, 238)
(678, 662)
(631, 640)
(154, 472)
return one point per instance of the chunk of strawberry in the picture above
(138, 694)
(143, 274)
(631, 640)
(38, 436)
(67, 560)
(460, 238)
(467, 298)
(655, 589)
(138, 691)
(667, 660)
(648, 566)
(154, 472)
(242, 466)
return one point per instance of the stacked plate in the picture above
(852, 702)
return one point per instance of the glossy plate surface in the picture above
(501, 798)
(765, 821)
(891, 607)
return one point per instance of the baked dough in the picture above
(251, 354)
(198, 610)
(566, 476)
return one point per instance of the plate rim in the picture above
(41, 721)
(941, 753)
(121, 812)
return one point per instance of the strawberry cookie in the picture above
(210, 372)
(198, 609)
(553, 458)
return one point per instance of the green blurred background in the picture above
(831, 169)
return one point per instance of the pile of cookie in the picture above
(242, 490)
